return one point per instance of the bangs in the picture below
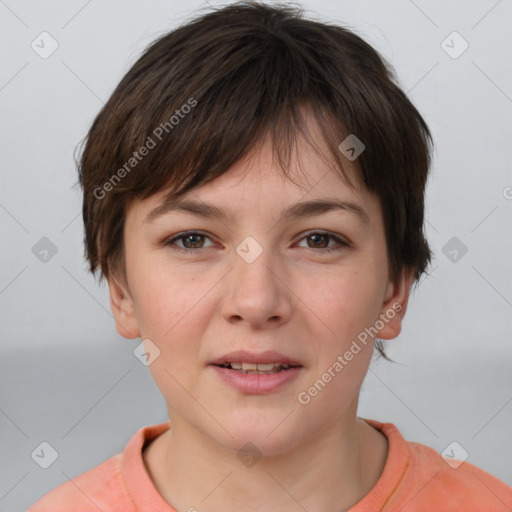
(202, 97)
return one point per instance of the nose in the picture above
(256, 290)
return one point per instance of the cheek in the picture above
(347, 304)
(170, 313)
(165, 298)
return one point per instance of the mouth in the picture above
(257, 368)
(256, 373)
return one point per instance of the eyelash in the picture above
(341, 244)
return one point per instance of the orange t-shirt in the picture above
(415, 478)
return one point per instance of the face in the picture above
(305, 287)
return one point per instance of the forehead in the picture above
(250, 190)
(256, 184)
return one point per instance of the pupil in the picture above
(192, 236)
(316, 237)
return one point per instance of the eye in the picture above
(316, 238)
(193, 241)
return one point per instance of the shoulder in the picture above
(416, 478)
(449, 484)
(96, 489)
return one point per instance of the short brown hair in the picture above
(220, 82)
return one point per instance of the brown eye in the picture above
(191, 241)
(319, 240)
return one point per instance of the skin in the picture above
(293, 298)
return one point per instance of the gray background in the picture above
(68, 378)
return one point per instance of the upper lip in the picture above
(243, 356)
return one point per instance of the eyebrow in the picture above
(227, 215)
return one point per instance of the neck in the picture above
(331, 471)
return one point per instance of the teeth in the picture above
(263, 367)
(257, 367)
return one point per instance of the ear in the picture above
(394, 306)
(123, 309)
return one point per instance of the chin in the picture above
(268, 433)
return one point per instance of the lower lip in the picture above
(257, 383)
